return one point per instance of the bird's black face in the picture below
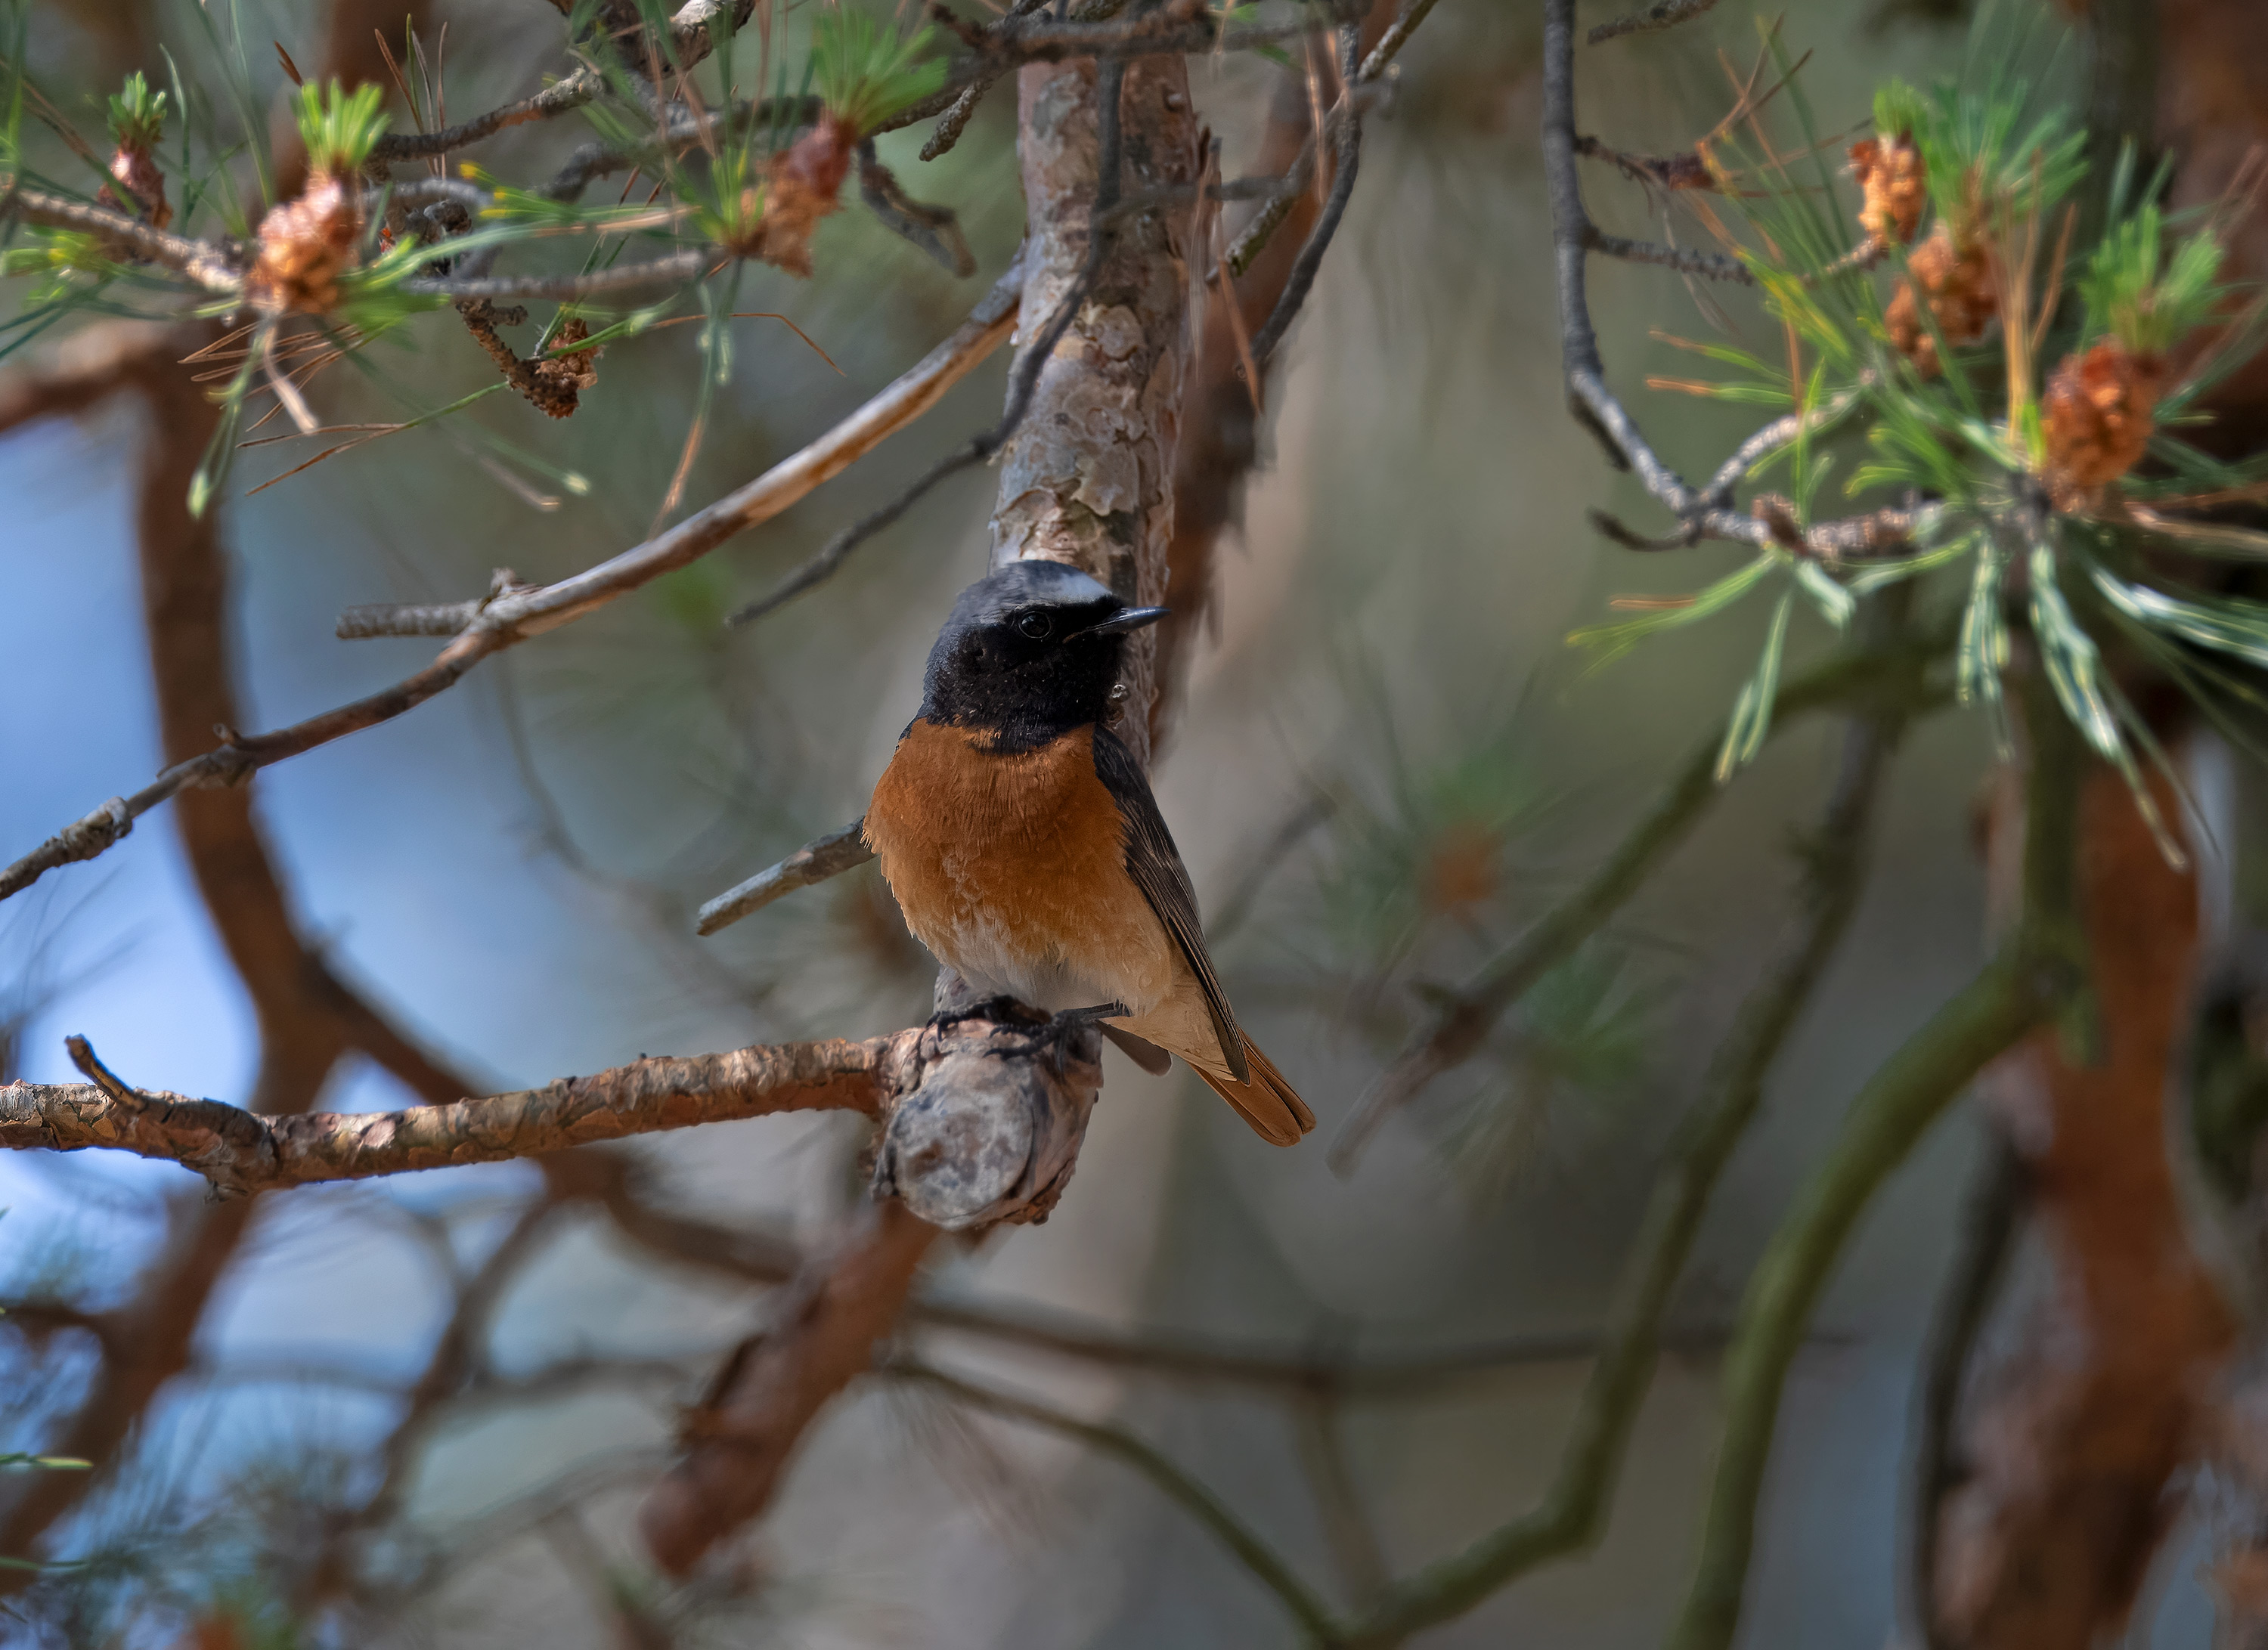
(1030, 654)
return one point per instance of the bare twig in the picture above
(674, 270)
(1269, 1570)
(1347, 158)
(1361, 87)
(441, 618)
(690, 41)
(240, 1152)
(1706, 513)
(519, 614)
(1390, 43)
(201, 263)
(825, 857)
(566, 96)
(955, 119)
(1716, 266)
(1662, 14)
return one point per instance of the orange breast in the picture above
(1012, 868)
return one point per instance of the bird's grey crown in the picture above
(1031, 583)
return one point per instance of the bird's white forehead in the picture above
(1029, 584)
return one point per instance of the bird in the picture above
(1022, 841)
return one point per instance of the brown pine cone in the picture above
(1958, 284)
(1890, 175)
(305, 245)
(563, 375)
(801, 188)
(2098, 411)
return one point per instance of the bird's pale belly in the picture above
(1012, 869)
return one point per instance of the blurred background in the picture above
(1388, 762)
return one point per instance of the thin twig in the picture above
(1716, 266)
(567, 95)
(1706, 513)
(673, 270)
(1355, 95)
(201, 263)
(1347, 161)
(523, 614)
(1396, 36)
(1315, 1616)
(1662, 14)
(240, 1152)
(955, 119)
(817, 860)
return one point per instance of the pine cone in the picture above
(1890, 176)
(566, 372)
(801, 188)
(2097, 409)
(1958, 283)
(305, 245)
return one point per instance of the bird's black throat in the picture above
(1024, 692)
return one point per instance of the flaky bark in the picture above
(2065, 1463)
(1088, 477)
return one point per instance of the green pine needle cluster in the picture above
(138, 114)
(867, 72)
(338, 126)
(2001, 156)
(2146, 307)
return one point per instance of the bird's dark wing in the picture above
(1156, 867)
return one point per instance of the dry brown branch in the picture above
(739, 1438)
(87, 368)
(238, 1152)
(2065, 1467)
(519, 614)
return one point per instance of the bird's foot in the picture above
(1006, 1009)
(1093, 1011)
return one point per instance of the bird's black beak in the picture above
(1123, 621)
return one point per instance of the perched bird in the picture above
(1027, 852)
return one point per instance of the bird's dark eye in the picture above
(1035, 625)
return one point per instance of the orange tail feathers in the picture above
(1270, 1104)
